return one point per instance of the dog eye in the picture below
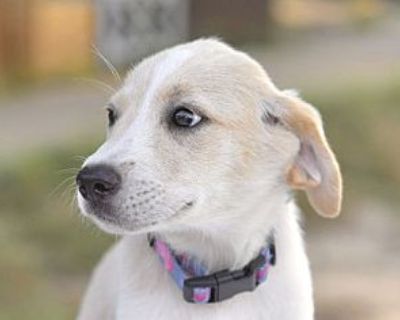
(112, 116)
(186, 118)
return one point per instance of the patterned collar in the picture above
(200, 287)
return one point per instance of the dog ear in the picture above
(314, 168)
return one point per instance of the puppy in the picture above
(197, 171)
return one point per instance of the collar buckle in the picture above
(225, 284)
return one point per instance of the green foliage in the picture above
(45, 250)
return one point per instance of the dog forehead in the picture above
(144, 80)
(205, 72)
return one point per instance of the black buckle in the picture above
(225, 284)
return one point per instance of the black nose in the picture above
(98, 183)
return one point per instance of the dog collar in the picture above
(198, 287)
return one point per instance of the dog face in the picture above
(198, 134)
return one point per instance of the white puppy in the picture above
(202, 154)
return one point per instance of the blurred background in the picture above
(343, 55)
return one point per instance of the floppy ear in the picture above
(314, 168)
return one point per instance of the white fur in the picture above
(232, 169)
(132, 280)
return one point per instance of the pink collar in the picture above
(198, 287)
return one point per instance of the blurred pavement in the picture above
(50, 116)
(356, 263)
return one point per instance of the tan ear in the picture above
(315, 168)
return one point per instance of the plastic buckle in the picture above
(225, 284)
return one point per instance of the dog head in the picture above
(198, 133)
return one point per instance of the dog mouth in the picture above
(107, 217)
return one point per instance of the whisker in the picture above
(68, 194)
(108, 63)
(63, 183)
(100, 84)
(68, 170)
(79, 158)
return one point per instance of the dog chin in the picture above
(111, 221)
(113, 225)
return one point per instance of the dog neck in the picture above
(233, 244)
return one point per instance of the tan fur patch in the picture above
(325, 195)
